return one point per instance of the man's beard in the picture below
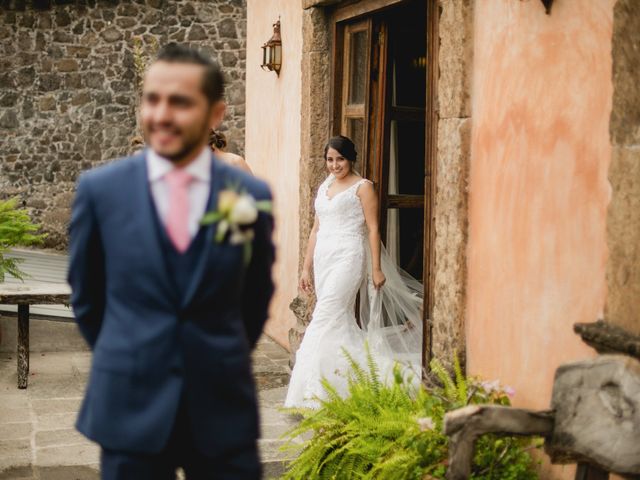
(184, 151)
(190, 144)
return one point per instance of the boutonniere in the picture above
(236, 214)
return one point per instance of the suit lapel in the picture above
(217, 183)
(148, 234)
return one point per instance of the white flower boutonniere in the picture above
(235, 216)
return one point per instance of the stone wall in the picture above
(623, 220)
(68, 87)
(455, 57)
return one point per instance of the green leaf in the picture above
(211, 217)
(16, 229)
(246, 253)
(223, 228)
(264, 206)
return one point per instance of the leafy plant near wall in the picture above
(144, 50)
(16, 229)
(394, 431)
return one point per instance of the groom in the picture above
(170, 313)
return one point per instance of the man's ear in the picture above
(218, 110)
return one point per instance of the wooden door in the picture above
(380, 102)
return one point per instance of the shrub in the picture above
(16, 229)
(394, 430)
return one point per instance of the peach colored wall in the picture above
(272, 145)
(538, 188)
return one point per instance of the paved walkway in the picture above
(37, 437)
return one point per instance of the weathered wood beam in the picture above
(318, 3)
(465, 425)
(35, 294)
(608, 338)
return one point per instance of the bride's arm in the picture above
(305, 276)
(369, 202)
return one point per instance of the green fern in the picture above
(461, 381)
(373, 433)
(16, 229)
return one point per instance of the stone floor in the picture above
(37, 437)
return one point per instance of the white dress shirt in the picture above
(200, 170)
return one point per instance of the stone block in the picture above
(451, 225)
(127, 10)
(67, 65)
(126, 22)
(14, 453)
(50, 406)
(25, 77)
(56, 421)
(60, 36)
(111, 34)
(197, 33)
(228, 59)
(66, 472)
(455, 58)
(9, 120)
(56, 438)
(17, 473)
(623, 239)
(315, 30)
(227, 28)
(187, 10)
(44, 21)
(49, 82)
(81, 98)
(85, 454)
(78, 51)
(625, 115)
(62, 17)
(15, 431)
(78, 28)
(47, 103)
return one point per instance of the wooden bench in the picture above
(594, 419)
(24, 296)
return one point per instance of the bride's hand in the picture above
(378, 279)
(305, 282)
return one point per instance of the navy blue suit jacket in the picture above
(150, 344)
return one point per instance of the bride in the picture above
(348, 258)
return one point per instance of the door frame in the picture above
(366, 8)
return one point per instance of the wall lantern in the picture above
(272, 51)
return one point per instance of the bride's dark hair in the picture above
(344, 145)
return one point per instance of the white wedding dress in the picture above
(391, 318)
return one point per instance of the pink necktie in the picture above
(177, 221)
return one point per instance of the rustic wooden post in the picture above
(23, 345)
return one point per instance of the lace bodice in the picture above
(342, 214)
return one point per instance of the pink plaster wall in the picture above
(541, 101)
(272, 145)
